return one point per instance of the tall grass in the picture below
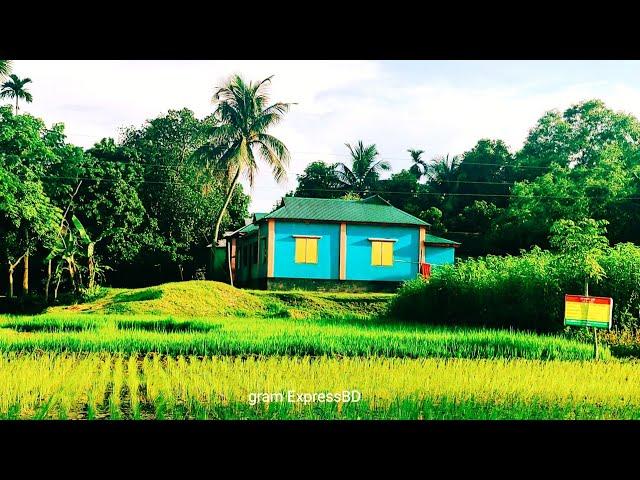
(524, 292)
(71, 386)
(276, 336)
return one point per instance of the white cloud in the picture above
(337, 102)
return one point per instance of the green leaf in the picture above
(81, 230)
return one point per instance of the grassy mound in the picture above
(214, 299)
(185, 299)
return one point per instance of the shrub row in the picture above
(525, 292)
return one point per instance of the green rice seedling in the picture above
(292, 337)
(133, 386)
(168, 325)
(50, 323)
(48, 385)
(116, 389)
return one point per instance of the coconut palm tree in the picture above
(5, 68)
(15, 88)
(243, 118)
(418, 166)
(443, 170)
(365, 169)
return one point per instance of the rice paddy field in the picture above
(96, 386)
(293, 355)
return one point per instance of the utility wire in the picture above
(497, 166)
(361, 191)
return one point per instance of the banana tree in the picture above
(90, 248)
(65, 250)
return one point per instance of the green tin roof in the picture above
(369, 210)
(439, 240)
(252, 227)
(247, 229)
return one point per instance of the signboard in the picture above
(583, 311)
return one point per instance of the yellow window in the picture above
(381, 253)
(376, 253)
(387, 253)
(306, 250)
(312, 250)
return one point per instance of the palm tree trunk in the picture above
(25, 275)
(229, 248)
(224, 208)
(16, 105)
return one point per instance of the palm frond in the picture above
(346, 176)
(275, 154)
(243, 121)
(5, 67)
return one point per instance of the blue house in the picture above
(333, 244)
(440, 251)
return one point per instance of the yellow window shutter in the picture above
(312, 250)
(300, 250)
(376, 253)
(387, 253)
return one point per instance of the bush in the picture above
(524, 292)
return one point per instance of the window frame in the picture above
(306, 238)
(382, 242)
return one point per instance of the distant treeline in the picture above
(145, 206)
(580, 163)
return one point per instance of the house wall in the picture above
(440, 255)
(405, 252)
(328, 265)
(245, 272)
(263, 259)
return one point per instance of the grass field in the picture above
(199, 349)
(94, 386)
(128, 334)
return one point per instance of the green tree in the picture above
(180, 191)
(319, 180)
(486, 169)
(583, 243)
(365, 168)
(401, 190)
(442, 182)
(28, 219)
(243, 117)
(15, 89)
(25, 156)
(433, 216)
(5, 68)
(575, 137)
(418, 165)
(110, 203)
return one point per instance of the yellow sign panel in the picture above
(588, 311)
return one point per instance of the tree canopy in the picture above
(583, 163)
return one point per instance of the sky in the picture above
(441, 107)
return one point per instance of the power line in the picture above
(497, 166)
(348, 157)
(363, 191)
